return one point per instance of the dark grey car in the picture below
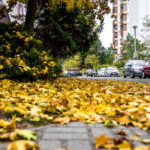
(133, 68)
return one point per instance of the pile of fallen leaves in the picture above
(65, 100)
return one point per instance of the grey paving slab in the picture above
(99, 131)
(79, 145)
(3, 145)
(64, 136)
(49, 145)
(66, 130)
(76, 124)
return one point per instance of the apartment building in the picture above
(120, 25)
(17, 14)
(126, 14)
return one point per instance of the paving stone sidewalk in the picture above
(78, 136)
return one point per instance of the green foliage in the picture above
(128, 49)
(119, 64)
(92, 61)
(22, 57)
(108, 56)
(74, 61)
(64, 33)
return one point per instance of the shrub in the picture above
(22, 56)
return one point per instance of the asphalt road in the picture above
(136, 79)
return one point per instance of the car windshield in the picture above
(111, 68)
(138, 63)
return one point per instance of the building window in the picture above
(124, 7)
(115, 9)
(115, 51)
(115, 43)
(115, 34)
(115, 2)
(125, 27)
(124, 17)
(115, 27)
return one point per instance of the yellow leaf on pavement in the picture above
(101, 140)
(124, 146)
(22, 145)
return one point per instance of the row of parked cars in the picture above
(138, 68)
(103, 72)
(132, 68)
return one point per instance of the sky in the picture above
(106, 34)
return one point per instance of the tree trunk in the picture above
(30, 17)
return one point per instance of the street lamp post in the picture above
(135, 52)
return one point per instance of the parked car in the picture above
(133, 68)
(65, 73)
(146, 70)
(101, 72)
(72, 73)
(91, 72)
(112, 72)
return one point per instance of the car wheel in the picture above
(143, 75)
(124, 76)
(132, 75)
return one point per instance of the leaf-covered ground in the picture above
(65, 100)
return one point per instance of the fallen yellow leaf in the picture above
(22, 145)
(63, 120)
(101, 140)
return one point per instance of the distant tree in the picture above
(92, 61)
(108, 55)
(73, 61)
(146, 31)
(128, 48)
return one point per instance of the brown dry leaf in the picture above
(124, 146)
(138, 134)
(145, 141)
(102, 140)
(122, 132)
(63, 120)
(142, 147)
(124, 120)
(22, 145)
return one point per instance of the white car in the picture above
(112, 72)
(101, 72)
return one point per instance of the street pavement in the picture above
(78, 135)
(136, 79)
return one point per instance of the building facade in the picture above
(126, 14)
(17, 14)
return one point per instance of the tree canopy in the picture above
(98, 7)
